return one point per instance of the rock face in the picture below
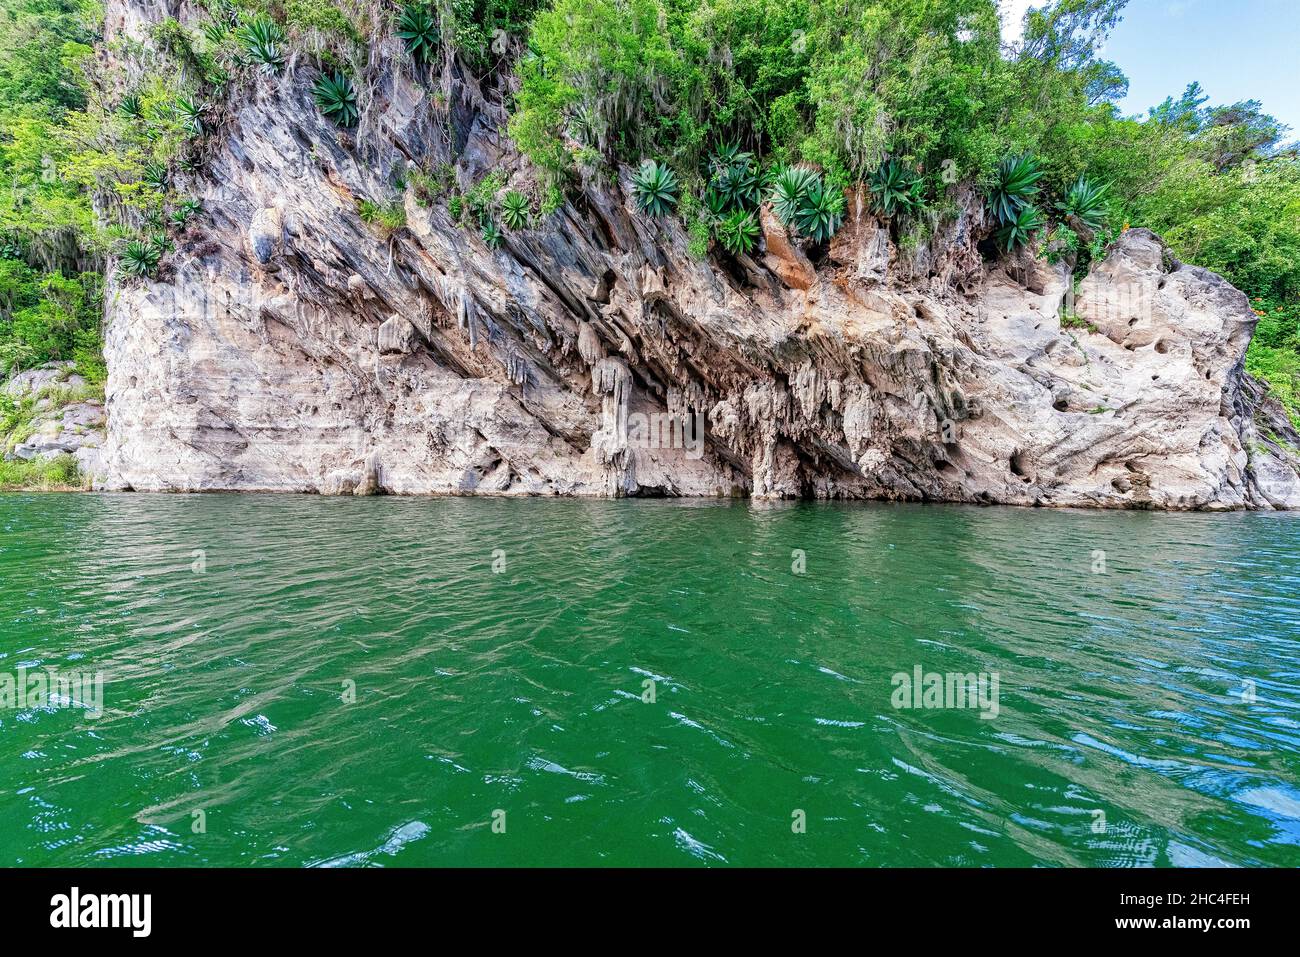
(298, 349)
(60, 423)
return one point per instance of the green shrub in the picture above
(53, 474)
(491, 234)
(387, 216)
(654, 186)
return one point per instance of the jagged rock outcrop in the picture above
(297, 349)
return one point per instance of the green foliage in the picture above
(739, 232)
(896, 189)
(820, 212)
(184, 212)
(190, 115)
(337, 98)
(1014, 187)
(1086, 201)
(789, 190)
(418, 31)
(491, 234)
(40, 474)
(1020, 229)
(654, 186)
(387, 216)
(699, 233)
(154, 175)
(1280, 367)
(737, 183)
(263, 42)
(514, 210)
(552, 200)
(139, 259)
(481, 199)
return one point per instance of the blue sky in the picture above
(1237, 49)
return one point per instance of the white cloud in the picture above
(1013, 18)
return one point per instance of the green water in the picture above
(1121, 736)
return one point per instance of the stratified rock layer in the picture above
(297, 349)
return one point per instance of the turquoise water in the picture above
(1147, 713)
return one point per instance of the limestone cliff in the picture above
(293, 347)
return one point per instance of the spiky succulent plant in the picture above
(131, 107)
(1014, 186)
(491, 234)
(654, 186)
(514, 210)
(418, 31)
(821, 212)
(337, 98)
(154, 176)
(139, 259)
(1087, 201)
(739, 184)
(739, 232)
(190, 115)
(263, 42)
(788, 191)
(1020, 228)
(895, 188)
(184, 212)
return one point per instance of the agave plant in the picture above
(739, 185)
(416, 27)
(729, 155)
(215, 32)
(337, 98)
(715, 203)
(491, 234)
(184, 212)
(654, 186)
(263, 41)
(154, 176)
(1015, 186)
(160, 243)
(896, 189)
(190, 114)
(139, 258)
(1087, 201)
(514, 210)
(739, 232)
(131, 107)
(820, 213)
(1021, 227)
(789, 190)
